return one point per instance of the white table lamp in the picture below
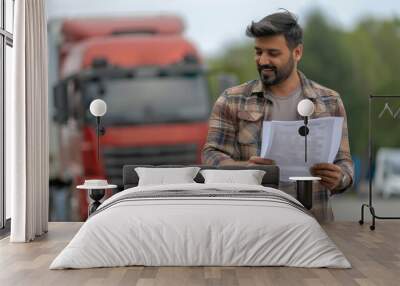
(98, 108)
(305, 108)
(304, 187)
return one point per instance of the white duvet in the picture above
(183, 231)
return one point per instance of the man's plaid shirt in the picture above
(235, 131)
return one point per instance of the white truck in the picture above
(387, 172)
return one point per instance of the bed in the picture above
(201, 224)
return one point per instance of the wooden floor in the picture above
(375, 256)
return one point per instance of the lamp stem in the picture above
(305, 138)
(305, 153)
(98, 135)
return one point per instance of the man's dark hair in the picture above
(280, 23)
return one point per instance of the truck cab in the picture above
(387, 172)
(156, 91)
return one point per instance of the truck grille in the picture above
(116, 157)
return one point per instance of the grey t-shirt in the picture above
(284, 108)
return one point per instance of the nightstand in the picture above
(96, 189)
(304, 190)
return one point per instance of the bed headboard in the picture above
(270, 179)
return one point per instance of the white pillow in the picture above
(163, 176)
(248, 177)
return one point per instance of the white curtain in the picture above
(27, 165)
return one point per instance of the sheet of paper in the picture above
(282, 142)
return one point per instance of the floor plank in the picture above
(374, 255)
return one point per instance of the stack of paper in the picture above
(282, 142)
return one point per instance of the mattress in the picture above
(201, 225)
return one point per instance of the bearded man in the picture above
(234, 135)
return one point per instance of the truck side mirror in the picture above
(226, 81)
(61, 103)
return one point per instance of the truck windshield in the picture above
(150, 99)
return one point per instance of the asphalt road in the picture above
(347, 206)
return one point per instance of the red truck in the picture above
(153, 81)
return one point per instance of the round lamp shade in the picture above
(305, 107)
(98, 107)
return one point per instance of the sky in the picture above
(214, 24)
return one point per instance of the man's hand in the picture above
(331, 175)
(255, 160)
